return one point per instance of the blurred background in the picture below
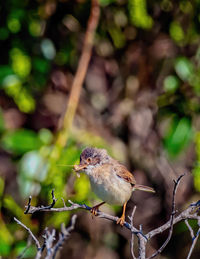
(140, 100)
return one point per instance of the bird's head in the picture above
(91, 158)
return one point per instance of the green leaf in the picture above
(21, 141)
(10, 204)
(176, 32)
(139, 14)
(45, 136)
(178, 136)
(184, 68)
(171, 83)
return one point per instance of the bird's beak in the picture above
(79, 167)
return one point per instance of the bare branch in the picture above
(142, 247)
(30, 232)
(132, 234)
(190, 228)
(65, 232)
(176, 183)
(63, 202)
(74, 206)
(190, 213)
(28, 206)
(193, 244)
(49, 238)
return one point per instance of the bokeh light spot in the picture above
(21, 63)
(48, 49)
(14, 25)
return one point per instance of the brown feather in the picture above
(123, 173)
(143, 188)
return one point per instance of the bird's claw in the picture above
(94, 210)
(121, 221)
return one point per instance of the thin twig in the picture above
(53, 200)
(176, 183)
(28, 206)
(194, 237)
(49, 238)
(63, 202)
(29, 242)
(30, 232)
(142, 246)
(194, 241)
(41, 208)
(189, 213)
(132, 234)
(65, 233)
(190, 228)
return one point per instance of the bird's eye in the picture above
(89, 160)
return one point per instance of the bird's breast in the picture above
(110, 188)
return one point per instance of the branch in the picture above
(176, 183)
(78, 79)
(190, 213)
(49, 238)
(194, 239)
(65, 233)
(190, 228)
(75, 206)
(30, 233)
(132, 234)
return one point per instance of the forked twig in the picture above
(194, 240)
(49, 244)
(176, 183)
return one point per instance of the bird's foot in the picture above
(94, 210)
(121, 220)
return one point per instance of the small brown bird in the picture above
(110, 180)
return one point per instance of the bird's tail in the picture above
(143, 188)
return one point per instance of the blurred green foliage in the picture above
(41, 37)
(21, 141)
(138, 14)
(178, 136)
(196, 170)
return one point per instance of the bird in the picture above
(110, 180)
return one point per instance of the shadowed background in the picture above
(140, 101)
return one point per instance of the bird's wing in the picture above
(123, 173)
